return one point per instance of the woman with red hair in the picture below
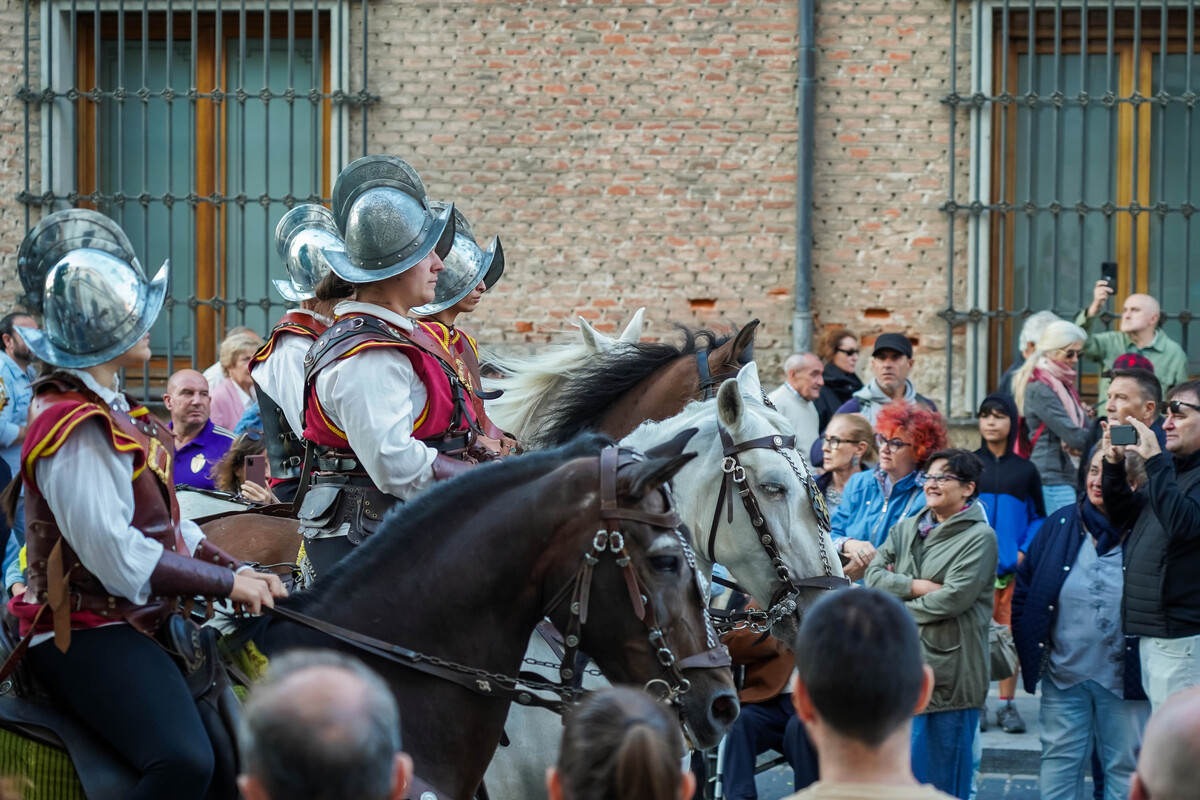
(874, 501)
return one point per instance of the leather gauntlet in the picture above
(209, 553)
(445, 467)
(184, 576)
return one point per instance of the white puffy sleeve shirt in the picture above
(95, 514)
(282, 375)
(374, 398)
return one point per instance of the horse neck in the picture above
(661, 395)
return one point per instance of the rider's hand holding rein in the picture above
(253, 590)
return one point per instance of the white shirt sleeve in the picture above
(95, 514)
(282, 377)
(191, 534)
(374, 399)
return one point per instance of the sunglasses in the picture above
(1071, 355)
(1174, 406)
(892, 444)
(851, 352)
(250, 436)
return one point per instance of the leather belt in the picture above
(334, 464)
(450, 445)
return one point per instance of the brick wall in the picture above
(12, 140)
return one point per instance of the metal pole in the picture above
(802, 317)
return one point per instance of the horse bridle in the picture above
(786, 600)
(709, 384)
(609, 539)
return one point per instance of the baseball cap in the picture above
(893, 341)
(1130, 361)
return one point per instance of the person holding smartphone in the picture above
(1138, 332)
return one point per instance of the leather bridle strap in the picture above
(707, 383)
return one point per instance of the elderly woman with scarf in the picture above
(1057, 420)
(1067, 627)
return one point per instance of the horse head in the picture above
(634, 600)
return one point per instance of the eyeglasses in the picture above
(834, 442)
(851, 352)
(882, 441)
(1071, 355)
(941, 480)
(251, 435)
(1174, 406)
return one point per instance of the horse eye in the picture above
(665, 563)
(776, 489)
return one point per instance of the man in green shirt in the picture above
(1139, 333)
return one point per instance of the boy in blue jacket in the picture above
(1010, 490)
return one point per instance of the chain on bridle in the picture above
(610, 540)
(786, 600)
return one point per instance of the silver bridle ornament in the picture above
(301, 237)
(464, 266)
(95, 307)
(384, 215)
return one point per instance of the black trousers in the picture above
(122, 684)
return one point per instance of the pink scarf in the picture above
(1061, 379)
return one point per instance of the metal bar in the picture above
(145, 165)
(1160, 130)
(1187, 166)
(1082, 300)
(365, 70)
(1113, 121)
(1056, 135)
(267, 136)
(74, 107)
(193, 178)
(119, 97)
(1136, 148)
(243, 113)
(976, 113)
(25, 154)
(314, 106)
(1006, 109)
(1031, 221)
(48, 179)
(950, 219)
(170, 108)
(802, 325)
(220, 120)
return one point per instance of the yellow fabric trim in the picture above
(53, 441)
(424, 414)
(338, 431)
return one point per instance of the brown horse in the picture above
(464, 573)
(617, 389)
(269, 536)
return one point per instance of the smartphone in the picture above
(1108, 273)
(1123, 435)
(256, 469)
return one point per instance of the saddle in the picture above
(27, 710)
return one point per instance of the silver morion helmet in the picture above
(83, 278)
(300, 239)
(382, 210)
(465, 265)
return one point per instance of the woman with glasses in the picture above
(1056, 420)
(942, 564)
(848, 443)
(1067, 628)
(872, 502)
(839, 350)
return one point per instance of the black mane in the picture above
(433, 511)
(602, 380)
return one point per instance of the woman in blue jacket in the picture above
(1067, 627)
(872, 502)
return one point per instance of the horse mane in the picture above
(595, 385)
(529, 382)
(433, 513)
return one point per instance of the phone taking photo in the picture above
(1123, 435)
(1108, 274)
(256, 469)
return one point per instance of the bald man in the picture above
(199, 444)
(1139, 333)
(803, 378)
(1169, 766)
(341, 740)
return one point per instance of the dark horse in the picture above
(466, 571)
(616, 390)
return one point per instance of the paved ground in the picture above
(1009, 768)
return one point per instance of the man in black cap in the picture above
(891, 361)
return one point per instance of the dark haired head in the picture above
(859, 658)
(7, 322)
(331, 289)
(1187, 387)
(224, 473)
(830, 341)
(1149, 386)
(621, 744)
(963, 463)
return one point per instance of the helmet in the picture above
(57, 234)
(381, 208)
(94, 299)
(300, 237)
(465, 266)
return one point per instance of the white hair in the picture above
(1033, 328)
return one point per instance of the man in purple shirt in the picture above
(199, 444)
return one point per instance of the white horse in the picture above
(530, 383)
(518, 771)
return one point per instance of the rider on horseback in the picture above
(468, 272)
(107, 552)
(387, 416)
(278, 368)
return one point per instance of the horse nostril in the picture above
(724, 709)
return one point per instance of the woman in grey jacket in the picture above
(942, 564)
(1057, 420)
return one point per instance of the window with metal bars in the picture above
(195, 127)
(1083, 152)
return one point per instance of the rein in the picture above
(520, 689)
(786, 600)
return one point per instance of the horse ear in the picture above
(743, 344)
(594, 341)
(748, 382)
(731, 407)
(674, 447)
(633, 331)
(648, 475)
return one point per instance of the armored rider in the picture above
(108, 555)
(388, 416)
(468, 271)
(278, 368)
